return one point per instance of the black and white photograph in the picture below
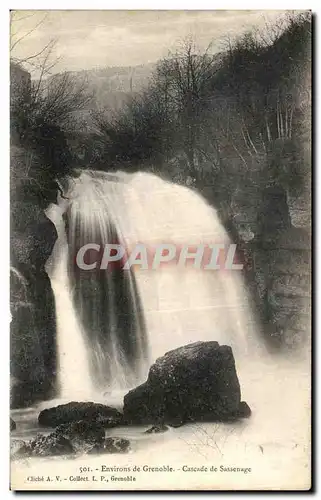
(160, 250)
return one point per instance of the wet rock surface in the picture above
(244, 410)
(75, 411)
(41, 446)
(82, 434)
(70, 440)
(73, 438)
(32, 305)
(35, 162)
(19, 448)
(157, 429)
(196, 382)
(52, 445)
(111, 445)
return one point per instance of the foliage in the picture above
(41, 113)
(243, 112)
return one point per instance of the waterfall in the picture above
(113, 324)
(74, 377)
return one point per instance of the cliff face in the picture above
(281, 268)
(38, 156)
(33, 351)
(272, 229)
(33, 328)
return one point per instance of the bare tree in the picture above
(42, 110)
(48, 98)
(58, 98)
(184, 79)
(40, 62)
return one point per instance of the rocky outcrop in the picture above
(82, 435)
(13, 425)
(286, 287)
(75, 411)
(52, 445)
(282, 266)
(75, 437)
(19, 448)
(111, 445)
(70, 439)
(271, 228)
(197, 382)
(33, 326)
(41, 446)
(157, 429)
(33, 357)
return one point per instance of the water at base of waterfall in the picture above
(273, 442)
(179, 307)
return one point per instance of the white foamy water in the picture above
(274, 442)
(180, 305)
(74, 378)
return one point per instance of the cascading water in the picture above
(113, 324)
(74, 378)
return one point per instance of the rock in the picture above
(176, 423)
(33, 332)
(19, 448)
(282, 273)
(75, 437)
(273, 215)
(196, 382)
(13, 425)
(26, 393)
(111, 445)
(82, 434)
(75, 411)
(157, 429)
(32, 304)
(54, 444)
(244, 410)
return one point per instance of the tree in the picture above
(46, 97)
(166, 118)
(40, 62)
(184, 79)
(41, 111)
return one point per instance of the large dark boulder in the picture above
(197, 382)
(75, 411)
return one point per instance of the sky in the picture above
(87, 39)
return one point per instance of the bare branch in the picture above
(49, 45)
(28, 33)
(13, 18)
